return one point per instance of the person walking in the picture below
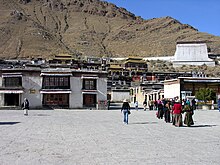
(145, 105)
(126, 110)
(151, 104)
(219, 104)
(136, 105)
(188, 120)
(155, 105)
(187, 102)
(25, 106)
(183, 103)
(108, 104)
(193, 104)
(160, 109)
(167, 112)
(177, 114)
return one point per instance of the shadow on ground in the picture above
(41, 115)
(206, 125)
(9, 123)
(144, 123)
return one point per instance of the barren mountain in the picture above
(42, 28)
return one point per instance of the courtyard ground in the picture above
(93, 137)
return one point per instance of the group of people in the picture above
(170, 110)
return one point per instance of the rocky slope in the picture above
(42, 28)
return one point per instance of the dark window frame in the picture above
(89, 84)
(12, 81)
(56, 82)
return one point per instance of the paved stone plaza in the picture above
(78, 137)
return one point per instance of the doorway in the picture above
(89, 100)
(11, 99)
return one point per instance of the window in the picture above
(12, 82)
(56, 99)
(56, 82)
(89, 84)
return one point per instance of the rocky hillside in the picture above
(42, 28)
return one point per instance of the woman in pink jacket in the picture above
(177, 114)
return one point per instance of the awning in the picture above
(11, 75)
(89, 77)
(11, 91)
(87, 92)
(55, 91)
(203, 81)
(56, 74)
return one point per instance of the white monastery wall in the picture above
(171, 90)
(76, 98)
(1, 95)
(120, 95)
(102, 89)
(192, 54)
(32, 86)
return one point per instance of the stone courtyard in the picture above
(93, 137)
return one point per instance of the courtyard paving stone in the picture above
(81, 137)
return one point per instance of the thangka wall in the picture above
(191, 53)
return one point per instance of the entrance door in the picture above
(12, 99)
(89, 100)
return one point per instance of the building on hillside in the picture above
(192, 53)
(122, 73)
(135, 65)
(188, 86)
(60, 87)
(151, 86)
(64, 59)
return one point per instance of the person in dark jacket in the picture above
(219, 104)
(167, 110)
(145, 105)
(25, 106)
(126, 110)
(160, 111)
(193, 104)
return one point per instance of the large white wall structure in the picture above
(191, 53)
(171, 88)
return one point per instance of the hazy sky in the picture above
(203, 15)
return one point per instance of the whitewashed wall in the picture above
(33, 83)
(1, 95)
(191, 52)
(120, 95)
(171, 90)
(102, 89)
(76, 98)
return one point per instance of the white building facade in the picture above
(54, 88)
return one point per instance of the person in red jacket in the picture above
(177, 114)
